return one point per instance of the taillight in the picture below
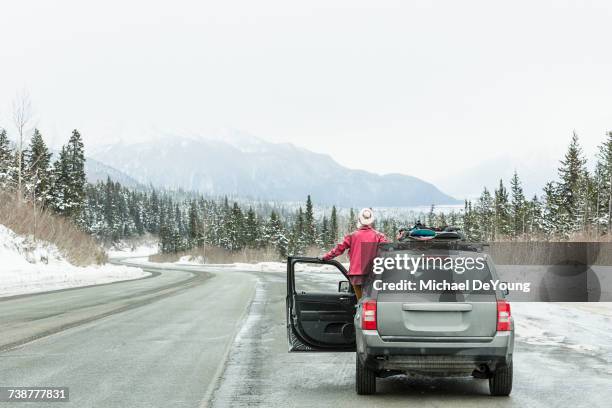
(368, 315)
(503, 315)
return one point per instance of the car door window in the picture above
(317, 278)
(319, 316)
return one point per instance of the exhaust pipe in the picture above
(482, 372)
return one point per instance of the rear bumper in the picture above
(459, 356)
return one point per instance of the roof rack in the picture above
(455, 245)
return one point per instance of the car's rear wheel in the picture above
(500, 384)
(365, 378)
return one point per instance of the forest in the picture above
(576, 206)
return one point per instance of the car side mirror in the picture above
(505, 291)
(344, 286)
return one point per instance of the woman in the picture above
(362, 246)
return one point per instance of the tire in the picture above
(500, 384)
(365, 379)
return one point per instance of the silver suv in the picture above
(443, 332)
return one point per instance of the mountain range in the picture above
(242, 165)
(97, 171)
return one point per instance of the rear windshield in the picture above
(449, 276)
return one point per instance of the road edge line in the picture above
(206, 400)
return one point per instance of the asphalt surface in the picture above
(191, 338)
(166, 352)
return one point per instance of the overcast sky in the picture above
(481, 80)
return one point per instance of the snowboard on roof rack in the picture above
(422, 233)
(449, 235)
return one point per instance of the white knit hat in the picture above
(366, 217)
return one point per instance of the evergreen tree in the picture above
(196, 232)
(571, 186)
(60, 197)
(517, 206)
(276, 235)
(310, 232)
(440, 220)
(78, 179)
(136, 213)
(235, 226)
(502, 216)
(69, 181)
(603, 183)
(534, 218)
(453, 219)
(323, 239)
(351, 223)
(153, 220)
(554, 217)
(297, 243)
(333, 227)
(485, 212)
(6, 161)
(224, 225)
(467, 224)
(252, 229)
(431, 216)
(179, 231)
(38, 168)
(388, 226)
(165, 234)
(112, 228)
(584, 205)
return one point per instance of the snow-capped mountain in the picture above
(97, 171)
(241, 165)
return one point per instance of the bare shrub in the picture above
(78, 247)
(550, 252)
(171, 257)
(215, 255)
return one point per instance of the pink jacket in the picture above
(359, 255)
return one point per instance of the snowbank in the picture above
(190, 260)
(580, 327)
(260, 266)
(28, 267)
(140, 250)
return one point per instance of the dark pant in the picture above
(358, 291)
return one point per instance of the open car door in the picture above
(320, 311)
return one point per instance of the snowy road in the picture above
(220, 341)
(164, 347)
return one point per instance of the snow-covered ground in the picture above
(123, 250)
(261, 266)
(28, 267)
(190, 260)
(579, 327)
